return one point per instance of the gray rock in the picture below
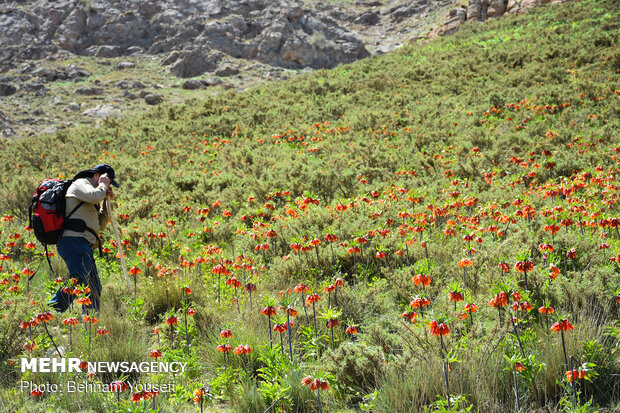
(26, 68)
(33, 86)
(227, 71)
(74, 72)
(369, 18)
(194, 62)
(497, 8)
(74, 106)
(455, 18)
(89, 91)
(129, 95)
(144, 93)
(103, 111)
(45, 74)
(135, 50)
(125, 65)
(170, 58)
(108, 51)
(153, 99)
(6, 129)
(136, 84)
(122, 84)
(48, 131)
(7, 89)
(214, 81)
(192, 84)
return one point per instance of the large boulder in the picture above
(194, 62)
(518, 6)
(7, 89)
(456, 17)
(497, 8)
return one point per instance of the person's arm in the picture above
(85, 192)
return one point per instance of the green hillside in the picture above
(446, 159)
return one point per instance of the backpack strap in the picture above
(45, 245)
(75, 209)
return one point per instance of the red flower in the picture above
(523, 266)
(315, 384)
(330, 288)
(301, 288)
(102, 332)
(421, 279)
(562, 325)
(499, 300)
(455, 296)
(226, 333)
(465, 263)
(234, 282)
(280, 328)
(471, 308)
(241, 349)
(155, 354)
(553, 271)
(224, 348)
(573, 375)
(44, 317)
(410, 315)
(268, 311)
(331, 238)
(519, 366)
(331, 323)
(312, 298)
(440, 329)
(546, 310)
(119, 386)
(135, 270)
(552, 228)
(171, 321)
(351, 330)
(419, 302)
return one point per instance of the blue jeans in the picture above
(78, 255)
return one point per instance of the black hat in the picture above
(106, 169)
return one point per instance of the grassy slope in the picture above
(339, 134)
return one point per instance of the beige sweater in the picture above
(96, 218)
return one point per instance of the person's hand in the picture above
(105, 179)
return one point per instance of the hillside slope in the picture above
(453, 206)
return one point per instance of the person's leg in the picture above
(78, 255)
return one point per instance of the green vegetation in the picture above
(444, 159)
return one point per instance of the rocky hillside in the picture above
(194, 35)
(70, 62)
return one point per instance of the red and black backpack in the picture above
(47, 211)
